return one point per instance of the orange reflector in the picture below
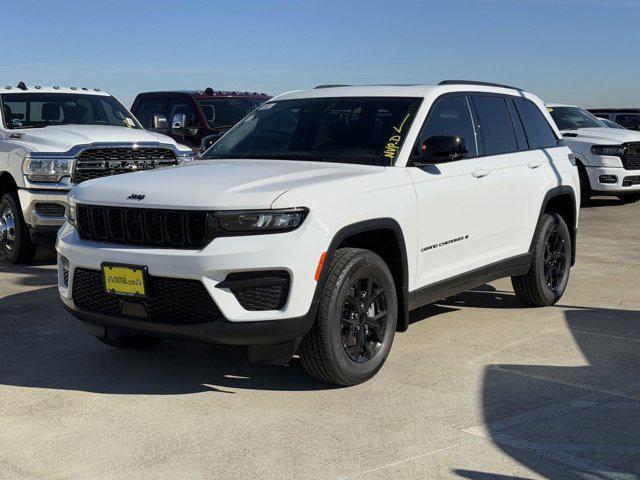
(320, 263)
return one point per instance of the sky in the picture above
(582, 52)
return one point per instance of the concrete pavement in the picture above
(478, 388)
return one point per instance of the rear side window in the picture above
(450, 116)
(496, 127)
(539, 132)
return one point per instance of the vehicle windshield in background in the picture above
(572, 118)
(611, 124)
(33, 110)
(226, 112)
(362, 130)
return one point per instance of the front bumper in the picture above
(627, 181)
(296, 252)
(29, 198)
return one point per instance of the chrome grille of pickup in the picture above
(144, 226)
(631, 157)
(102, 162)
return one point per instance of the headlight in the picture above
(46, 169)
(608, 150)
(184, 157)
(70, 214)
(257, 221)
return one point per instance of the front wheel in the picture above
(15, 239)
(356, 322)
(548, 275)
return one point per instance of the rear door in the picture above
(454, 199)
(522, 170)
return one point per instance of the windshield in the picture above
(572, 118)
(33, 110)
(226, 112)
(611, 124)
(367, 131)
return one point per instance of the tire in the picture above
(541, 287)
(15, 239)
(131, 342)
(585, 186)
(350, 341)
(629, 198)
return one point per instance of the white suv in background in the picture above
(52, 138)
(319, 221)
(608, 159)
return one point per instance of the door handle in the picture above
(534, 164)
(480, 172)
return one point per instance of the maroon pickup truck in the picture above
(196, 118)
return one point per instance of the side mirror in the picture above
(440, 149)
(208, 141)
(159, 122)
(177, 123)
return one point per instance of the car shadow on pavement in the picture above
(599, 202)
(566, 421)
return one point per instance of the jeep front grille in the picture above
(142, 226)
(631, 157)
(102, 162)
(169, 300)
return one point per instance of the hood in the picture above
(61, 138)
(214, 184)
(608, 136)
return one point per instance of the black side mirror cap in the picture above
(441, 149)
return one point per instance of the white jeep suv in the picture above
(52, 138)
(608, 159)
(319, 221)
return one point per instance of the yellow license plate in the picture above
(124, 280)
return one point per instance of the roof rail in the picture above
(331, 86)
(472, 82)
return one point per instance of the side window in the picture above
(182, 105)
(450, 116)
(148, 107)
(496, 127)
(629, 120)
(539, 132)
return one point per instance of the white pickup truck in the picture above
(52, 138)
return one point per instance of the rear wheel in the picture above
(15, 239)
(630, 197)
(356, 322)
(131, 342)
(548, 275)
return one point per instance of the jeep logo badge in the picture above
(136, 196)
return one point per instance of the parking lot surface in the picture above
(478, 388)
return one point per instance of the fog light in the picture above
(65, 270)
(608, 179)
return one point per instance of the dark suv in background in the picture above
(195, 118)
(627, 117)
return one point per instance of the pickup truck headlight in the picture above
(184, 157)
(261, 221)
(70, 214)
(608, 150)
(46, 169)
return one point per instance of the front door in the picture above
(454, 199)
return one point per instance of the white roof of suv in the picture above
(54, 89)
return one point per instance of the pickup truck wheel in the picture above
(629, 198)
(131, 342)
(356, 322)
(15, 240)
(548, 275)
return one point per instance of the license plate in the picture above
(125, 280)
